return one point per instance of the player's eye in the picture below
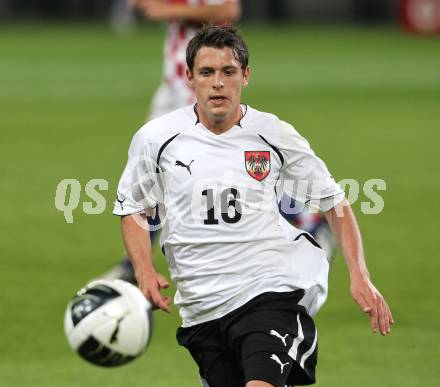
(229, 72)
(204, 73)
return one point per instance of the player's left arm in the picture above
(159, 10)
(344, 225)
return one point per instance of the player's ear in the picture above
(246, 75)
(189, 77)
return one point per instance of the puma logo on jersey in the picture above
(180, 164)
(282, 338)
(121, 202)
(277, 359)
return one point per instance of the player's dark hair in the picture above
(218, 37)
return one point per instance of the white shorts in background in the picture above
(169, 97)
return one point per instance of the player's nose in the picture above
(218, 80)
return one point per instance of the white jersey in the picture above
(222, 234)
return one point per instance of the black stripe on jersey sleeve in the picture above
(277, 151)
(162, 148)
(327, 197)
(309, 238)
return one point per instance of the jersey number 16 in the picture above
(228, 199)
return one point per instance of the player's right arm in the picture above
(138, 246)
(138, 194)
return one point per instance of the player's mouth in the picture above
(217, 99)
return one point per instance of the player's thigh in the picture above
(217, 369)
(217, 365)
(280, 351)
(258, 383)
(223, 371)
(264, 360)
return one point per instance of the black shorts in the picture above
(270, 338)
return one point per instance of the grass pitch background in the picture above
(71, 98)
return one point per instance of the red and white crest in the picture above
(257, 164)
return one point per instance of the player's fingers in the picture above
(390, 315)
(163, 283)
(374, 321)
(373, 314)
(167, 300)
(144, 289)
(165, 304)
(366, 305)
(362, 302)
(384, 323)
(159, 300)
(159, 304)
(156, 297)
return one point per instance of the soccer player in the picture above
(247, 283)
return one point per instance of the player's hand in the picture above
(372, 302)
(150, 284)
(157, 10)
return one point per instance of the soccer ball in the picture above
(109, 322)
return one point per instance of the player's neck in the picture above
(220, 126)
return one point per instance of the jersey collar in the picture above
(195, 116)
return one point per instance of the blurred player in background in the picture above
(183, 17)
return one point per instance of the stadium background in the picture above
(73, 90)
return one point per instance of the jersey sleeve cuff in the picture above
(327, 203)
(125, 209)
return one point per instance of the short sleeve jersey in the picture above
(218, 201)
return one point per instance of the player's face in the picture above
(217, 80)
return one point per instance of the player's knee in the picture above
(258, 383)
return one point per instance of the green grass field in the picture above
(71, 98)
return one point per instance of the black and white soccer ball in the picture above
(109, 322)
